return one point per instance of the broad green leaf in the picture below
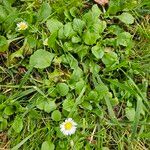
(98, 51)
(3, 14)
(126, 18)
(96, 11)
(52, 92)
(130, 113)
(101, 26)
(69, 59)
(76, 39)
(17, 54)
(87, 105)
(115, 29)
(110, 59)
(76, 75)
(61, 33)
(52, 40)
(44, 12)
(94, 67)
(68, 104)
(3, 124)
(46, 105)
(92, 96)
(47, 145)
(114, 7)
(3, 44)
(67, 15)
(79, 86)
(53, 25)
(49, 106)
(74, 11)
(102, 90)
(8, 2)
(92, 16)
(41, 59)
(62, 89)
(9, 110)
(17, 124)
(81, 50)
(124, 39)
(68, 46)
(90, 38)
(68, 30)
(56, 115)
(78, 25)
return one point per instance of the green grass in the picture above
(94, 68)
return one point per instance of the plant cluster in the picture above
(81, 64)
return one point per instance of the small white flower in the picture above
(68, 127)
(22, 26)
(45, 42)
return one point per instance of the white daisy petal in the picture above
(68, 127)
(22, 26)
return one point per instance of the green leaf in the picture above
(87, 105)
(114, 7)
(67, 15)
(68, 46)
(52, 40)
(126, 18)
(124, 39)
(52, 92)
(44, 12)
(68, 104)
(9, 110)
(90, 38)
(110, 59)
(98, 51)
(3, 44)
(49, 106)
(101, 26)
(41, 59)
(74, 11)
(92, 16)
(79, 86)
(93, 95)
(16, 54)
(17, 124)
(3, 13)
(130, 113)
(102, 90)
(69, 59)
(61, 33)
(3, 124)
(96, 11)
(76, 75)
(46, 105)
(76, 39)
(78, 25)
(47, 145)
(56, 115)
(68, 30)
(53, 25)
(115, 29)
(62, 89)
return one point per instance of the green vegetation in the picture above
(74, 59)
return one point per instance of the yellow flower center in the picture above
(68, 125)
(23, 26)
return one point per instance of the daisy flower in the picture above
(45, 42)
(22, 26)
(68, 127)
